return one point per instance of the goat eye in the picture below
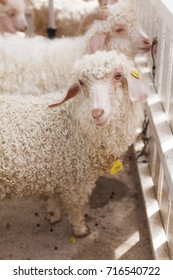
(118, 76)
(81, 82)
(119, 30)
(12, 14)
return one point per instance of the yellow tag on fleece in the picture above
(136, 74)
(116, 167)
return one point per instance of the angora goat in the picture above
(62, 151)
(12, 16)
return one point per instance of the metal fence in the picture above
(156, 17)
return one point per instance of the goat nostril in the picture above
(97, 113)
(146, 41)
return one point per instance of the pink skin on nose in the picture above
(20, 22)
(100, 103)
(145, 44)
(97, 113)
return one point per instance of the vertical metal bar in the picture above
(160, 54)
(51, 30)
(170, 114)
(167, 72)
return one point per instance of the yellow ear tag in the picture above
(136, 74)
(116, 167)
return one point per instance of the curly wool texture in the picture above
(119, 13)
(61, 150)
(87, 66)
(37, 65)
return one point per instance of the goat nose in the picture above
(25, 28)
(96, 113)
(146, 41)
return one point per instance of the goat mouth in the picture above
(103, 123)
(145, 49)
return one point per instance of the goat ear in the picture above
(137, 88)
(97, 42)
(7, 24)
(72, 92)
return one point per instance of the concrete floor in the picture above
(115, 216)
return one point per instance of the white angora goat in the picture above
(62, 151)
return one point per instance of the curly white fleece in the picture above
(44, 150)
(121, 13)
(87, 66)
(37, 65)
